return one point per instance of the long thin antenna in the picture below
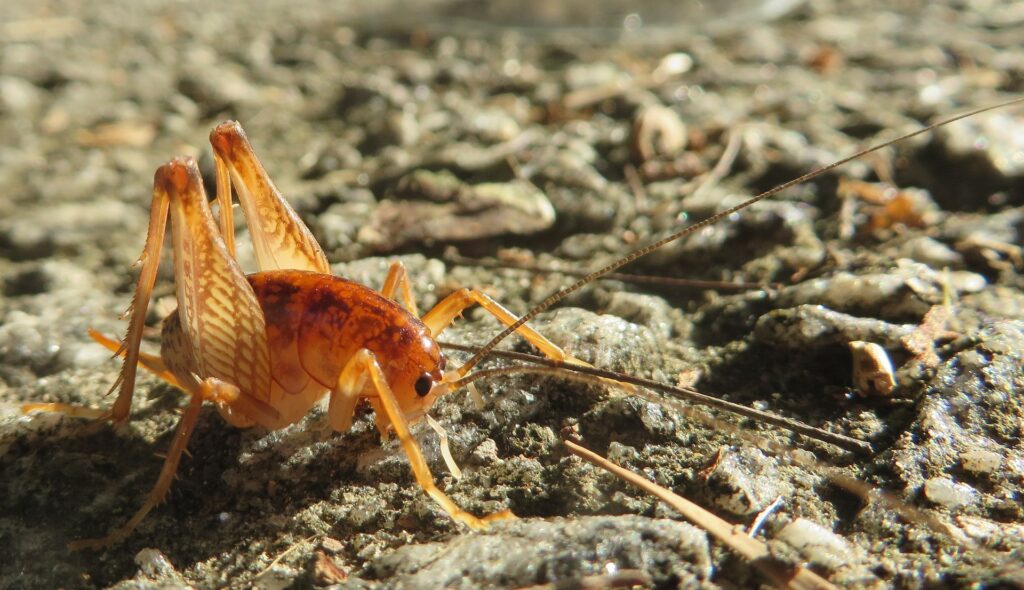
(562, 294)
(692, 395)
(627, 278)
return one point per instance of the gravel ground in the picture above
(542, 133)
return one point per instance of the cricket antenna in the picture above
(563, 293)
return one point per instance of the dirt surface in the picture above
(567, 138)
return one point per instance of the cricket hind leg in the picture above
(364, 369)
(150, 261)
(150, 362)
(129, 347)
(209, 389)
(281, 240)
(246, 410)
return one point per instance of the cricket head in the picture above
(415, 373)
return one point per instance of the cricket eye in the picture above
(423, 385)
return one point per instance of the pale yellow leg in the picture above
(398, 278)
(345, 396)
(222, 394)
(364, 364)
(209, 389)
(66, 409)
(445, 312)
(152, 363)
(150, 261)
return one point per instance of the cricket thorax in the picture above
(316, 323)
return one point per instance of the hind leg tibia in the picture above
(209, 389)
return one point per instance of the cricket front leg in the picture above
(444, 313)
(363, 366)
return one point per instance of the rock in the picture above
(820, 547)
(945, 492)
(27, 341)
(1004, 141)
(742, 481)
(909, 288)
(19, 95)
(815, 325)
(154, 564)
(658, 132)
(459, 212)
(527, 552)
(980, 461)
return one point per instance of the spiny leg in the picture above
(398, 278)
(239, 400)
(163, 483)
(150, 261)
(129, 347)
(364, 364)
(150, 362)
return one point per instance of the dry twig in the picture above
(754, 551)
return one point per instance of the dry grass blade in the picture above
(731, 535)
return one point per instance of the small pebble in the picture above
(486, 453)
(154, 564)
(622, 454)
(657, 132)
(945, 492)
(872, 369)
(818, 545)
(931, 252)
(743, 481)
(980, 461)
